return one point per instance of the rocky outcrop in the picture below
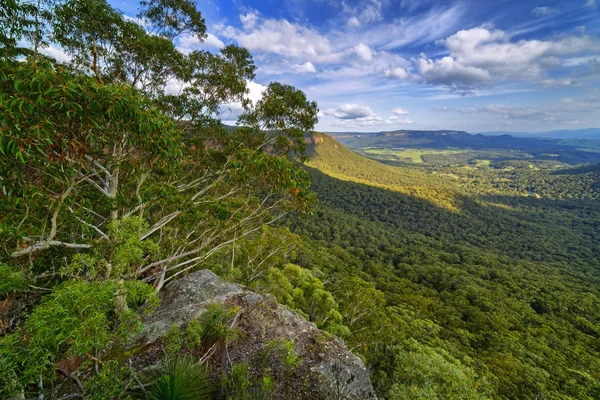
(327, 369)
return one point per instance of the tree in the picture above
(110, 184)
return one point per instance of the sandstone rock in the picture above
(327, 370)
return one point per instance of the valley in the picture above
(482, 274)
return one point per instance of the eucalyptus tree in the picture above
(196, 192)
(108, 181)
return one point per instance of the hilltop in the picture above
(336, 160)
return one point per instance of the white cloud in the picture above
(307, 67)
(175, 86)
(231, 111)
(213, 41)
(356, 115)
(559, 82)
(365, 13)
(493, 51)
(283, 38)
(350, 111)
(579, 61)
(544, 11)
(480, 56)
(397, 72)
(255, 91)
(363, 51)
(399, 111)
(591, 3)
(465, 41)
(249, 20)
(449, 72)
(56, 52)
(353, 21)
(188, 43)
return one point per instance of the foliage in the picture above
(174, 341)
(111, 187)
(503, 295)
(214, 324)
(297, 288)
(11, 280)
(112, 382)
(182, 379)
(240, 385)
(77, 320)
(426, 373)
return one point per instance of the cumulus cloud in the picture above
(449, 72)
(544, 11)
(306, 68)
(283, 38)
(481, 56)
(494, 52)
(350, 111)
(188, 43)
(398, 72)
(175, 86)
(57, 53)
(356, 115)
(399, 111)
(248, 20)
(363, 51)
(231, 111)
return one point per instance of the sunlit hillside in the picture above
(336, 160)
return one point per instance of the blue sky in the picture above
(375, 65)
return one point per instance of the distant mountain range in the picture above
(538, 145)
(590, 133)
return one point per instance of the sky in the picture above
(375, 65)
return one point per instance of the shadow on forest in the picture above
(528, 228)
(579, 170)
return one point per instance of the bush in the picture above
(182, 379)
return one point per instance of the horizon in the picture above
(472, 133)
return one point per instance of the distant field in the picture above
(416, 156)
(438, 157)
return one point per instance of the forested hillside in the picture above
(496, 297)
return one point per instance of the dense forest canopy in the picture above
(486, 274)
(459, 276)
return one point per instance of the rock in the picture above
(327, 369)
